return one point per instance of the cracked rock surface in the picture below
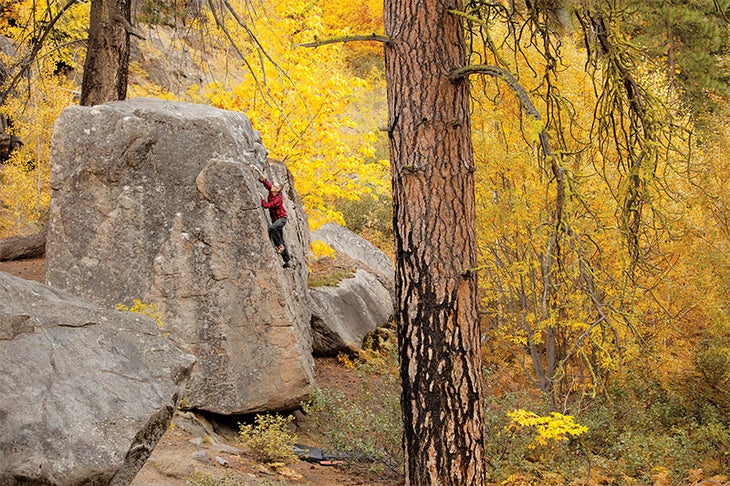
(154, 200)
(86, 391)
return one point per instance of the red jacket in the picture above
(274, 203)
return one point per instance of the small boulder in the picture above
(86, 392)
(343, 315)
(369, 256)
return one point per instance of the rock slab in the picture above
(349, 243)
(343, 315)
(86, 392)
(154, 200)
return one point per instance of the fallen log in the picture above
(23, 247)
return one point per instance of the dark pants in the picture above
(276, 233)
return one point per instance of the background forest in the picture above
(603, 201)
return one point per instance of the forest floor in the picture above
(202, 451)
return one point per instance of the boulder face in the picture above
(343, 315)
(359, 249)
(87, 392)
(154, 200)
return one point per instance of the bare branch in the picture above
(350, 38)
(504, 75)
(37, 44)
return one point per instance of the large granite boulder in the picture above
(86, 392)
(154, 200)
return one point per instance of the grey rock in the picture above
(359, 249)
(166, 58)
(343, 315)
(86, 392)
(201, 456)
(154, 200)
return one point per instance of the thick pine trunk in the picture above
(106, 68)
(434, 220)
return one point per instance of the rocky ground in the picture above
(199, 450)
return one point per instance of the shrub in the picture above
(366, 427)
(555, 428)
(330, 279)
(268, 439)
(371, 218)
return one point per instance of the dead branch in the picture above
(350, 38)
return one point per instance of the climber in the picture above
(274, 202)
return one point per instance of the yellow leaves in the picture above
(148, 310)
(346, 17)
(269, 438)
(552, 429)
(60, 46)
(303, 108)
(23, 203)
(25, 178)
(320, 249)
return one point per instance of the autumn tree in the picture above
(686, 42)
(302, 101)
(434, 222)
(577, 231)
(46, 42)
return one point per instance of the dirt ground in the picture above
(198, 451)
(28, 269)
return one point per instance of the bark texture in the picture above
(434, 221)
(106, 68)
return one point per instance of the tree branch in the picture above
(503, 74)
(37, 44)
(348, 38)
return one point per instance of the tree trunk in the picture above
(434, 220)
(107, 56)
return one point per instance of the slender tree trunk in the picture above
(434, 220)
(107, 56)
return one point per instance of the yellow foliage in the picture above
(583, 304)
(355, 18)
(320, 249)
(302, 105)
(25, 178)
(346, 361)
(63, 45)
(555, 428)
(148, 310)
(269, 439)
